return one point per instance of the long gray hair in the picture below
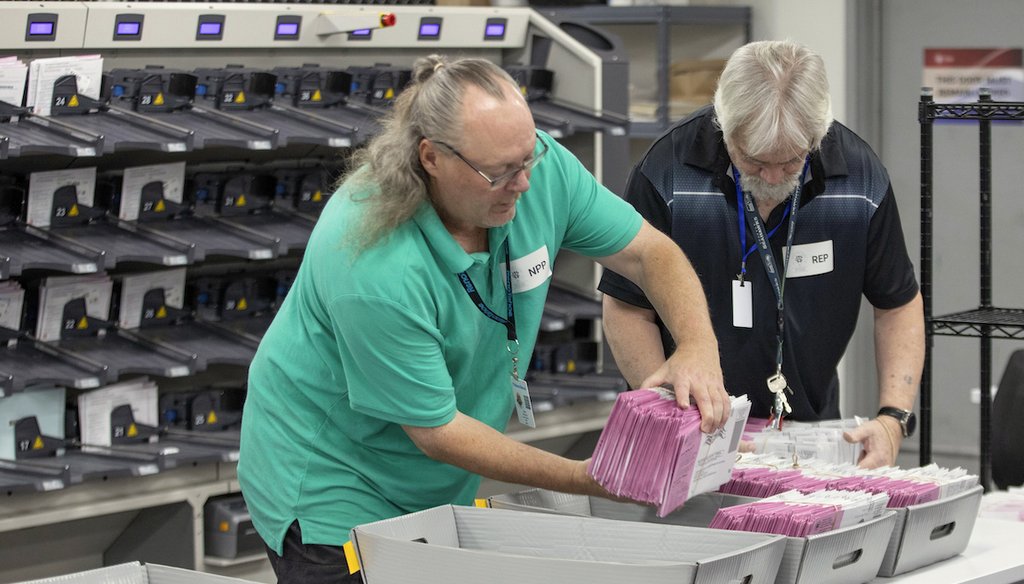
(430, 107)
(774, 96)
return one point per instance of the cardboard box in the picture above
(469, 544)
(844, 556)
(931, 532)
(138, 573)
(694, 80)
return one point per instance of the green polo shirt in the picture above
(366, 343)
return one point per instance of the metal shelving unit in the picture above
(662, 18)
(986, 322)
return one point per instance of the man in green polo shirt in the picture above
(384, 383)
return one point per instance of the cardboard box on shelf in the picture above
(693, 81)
(469, 544)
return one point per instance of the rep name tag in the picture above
(811, 259)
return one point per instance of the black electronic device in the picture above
(154, 206)
(207, 412)
(229, 530)
(67, 100)
(66, 210)
(156, 312)
(534, 82)
(236, 88)
(75, 321)
(125, 430)
(153, 89)
(30, 442)
(378, 85)
(312, 86)
(244, 193)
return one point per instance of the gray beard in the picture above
(763, 192)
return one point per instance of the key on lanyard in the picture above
(778, 385)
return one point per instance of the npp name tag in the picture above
(524, 408)
(531, 270)
(811, 259)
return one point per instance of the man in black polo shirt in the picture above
(727, 177)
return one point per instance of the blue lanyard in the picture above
(474, 295)
(748, 209)
(743, 227)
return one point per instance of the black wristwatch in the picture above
(906, 418)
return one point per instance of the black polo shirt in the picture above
(848, 211)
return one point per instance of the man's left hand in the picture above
(880, 441)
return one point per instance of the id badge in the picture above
(524, 408)
(742, 304)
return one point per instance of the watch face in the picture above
(911, 424)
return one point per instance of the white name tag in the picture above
(742, 304)
(811, 259)
(531, 270)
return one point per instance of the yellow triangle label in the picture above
(160, 207)
(37, 444)
(159, 99)
(317, 196)
(83, 324)
(132, 431)
(242, 304)
(211, 418)
(162, 313)
(74, 210)
(73, 102)
(389, 94)
(240, 98)
(317, 96)
(240, 201)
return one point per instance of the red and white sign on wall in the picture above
(957, 74)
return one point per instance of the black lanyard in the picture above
(474, 295)
(767, 256)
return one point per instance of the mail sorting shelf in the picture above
(986, 322)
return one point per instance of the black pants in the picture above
(308, 563)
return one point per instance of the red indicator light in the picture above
(387, 19)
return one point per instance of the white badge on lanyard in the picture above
(742, 304)
(524, 408)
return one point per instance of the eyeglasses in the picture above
(500, 181)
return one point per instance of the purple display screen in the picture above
(287, 28)
(430, 29)
(494, 30)
(209, 28)
(129, 28)
(40, 28)
(361, 32)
